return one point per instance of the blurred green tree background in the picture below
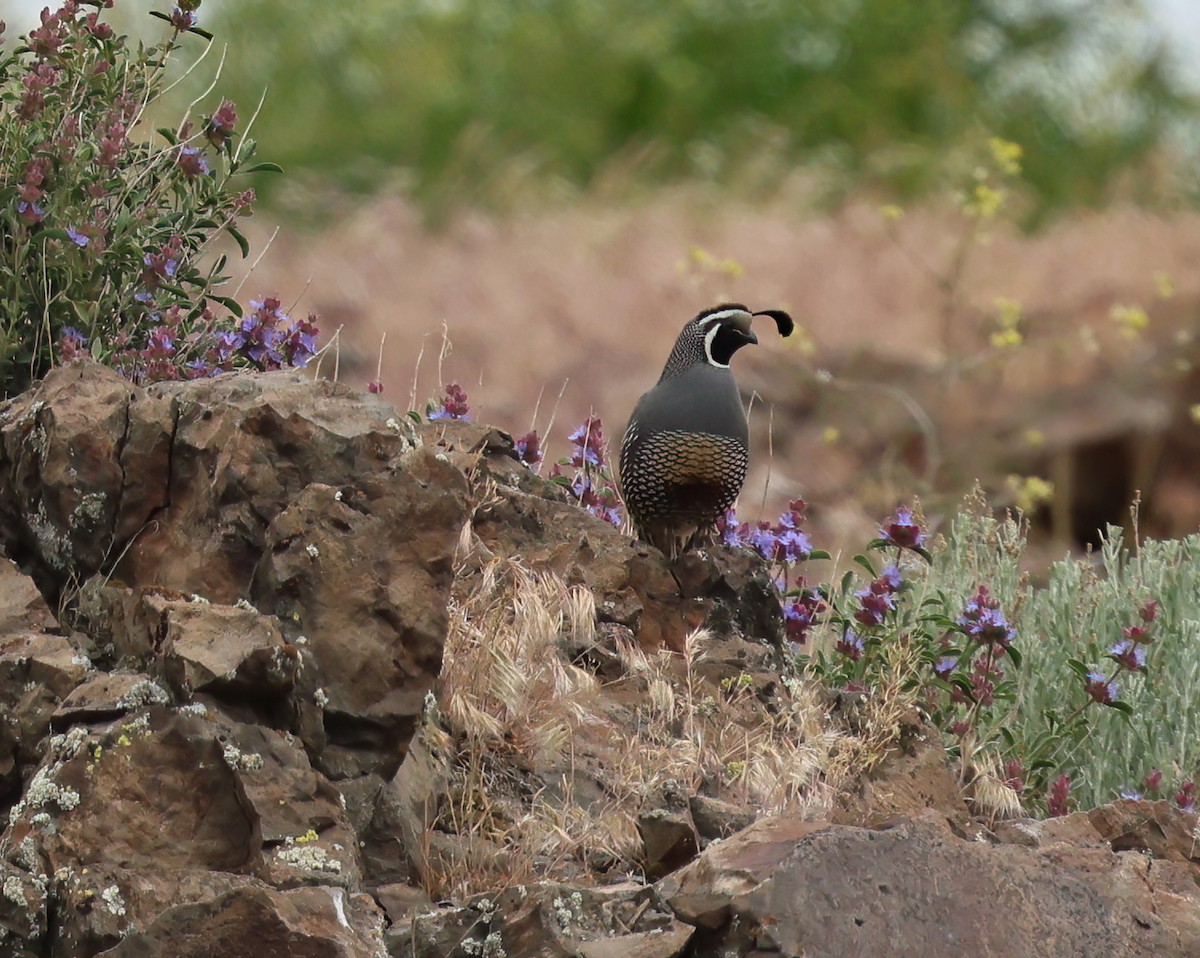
(467, 97)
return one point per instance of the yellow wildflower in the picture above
(1030, 491)
(1006, 154)
(1132, 319)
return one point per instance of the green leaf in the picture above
(266, 166)
(229, 303)
(168, 134)
(863, 561)
(202, 32)
(1078, 668)
(57, 234)
(1014, 655)
(818, 554)
(243, 243)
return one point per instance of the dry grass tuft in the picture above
(548, 765)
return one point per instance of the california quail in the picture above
(685, 450)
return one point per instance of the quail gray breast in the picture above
(686, 448)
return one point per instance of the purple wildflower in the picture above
(101, 31)
(300, 343)
(1129, 654)
(732, 533)
(875, 603)
(78, 238)
(764, 539)
(162, 264)
(220, 126)
(159, 343)
(1101, 688)
(31, 213)
(589, 443)
(70, 343)
(1185, 798)
(983, 620)
(454, 404)
(891, 578)
(262, 335)
(192, 161)
(852, 645)
(902, 530)
(1131, 794)
(113, 145)
(183, 20)
(1059, 801)
(1153, 781)
(1014, 775)
(791, 546)
(793, 518)
(945, 666)
(800, 614)
(529, 448)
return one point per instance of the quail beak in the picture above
(741, 323)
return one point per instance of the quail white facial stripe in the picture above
(720, 315)
(708, 341)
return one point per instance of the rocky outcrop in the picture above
(298, 499)
(226, 613)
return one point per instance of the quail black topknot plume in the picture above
(685, 450)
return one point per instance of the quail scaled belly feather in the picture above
(686, 448)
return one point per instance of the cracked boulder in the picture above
(918, 889)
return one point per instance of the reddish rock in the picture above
(715, 819)
(23, 913)
(97, 906)
(255, 922)
(366, 577)
(153, 791)
(72, 487)
(104, 696)
(916, 889)
(1161, 829)
(219, 649)
(37, 671)
(22, 608)
(669, 839)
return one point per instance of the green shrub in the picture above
(1078, 689)
(109, 229)
(476, 100)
